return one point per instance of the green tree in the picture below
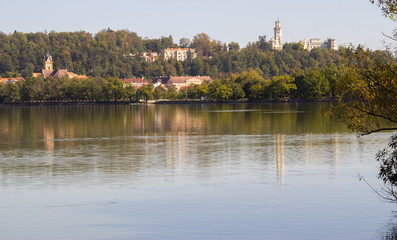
(202, 44)
(389, 7)
(114, 89)
(237, 90)
(172, 93)
(146, 92)
(367, 92)
(202, 90)
(130, 92)
(388, 169)
(251, 82)
(234, 46)
(367, 100)
(159, 93)
(224, 92)
(184, 42)
(282, 87)
(32, 89)
(313, 85)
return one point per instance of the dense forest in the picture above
(111, 53)
(254, 72)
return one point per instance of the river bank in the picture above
(161, 101)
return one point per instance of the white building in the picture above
(316, 43)
(179, 54)
(277, 41)
(182, 82)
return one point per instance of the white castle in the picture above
(277, 41)
(316, 43)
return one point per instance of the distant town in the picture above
(159, 67)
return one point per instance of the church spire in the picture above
(48, 63)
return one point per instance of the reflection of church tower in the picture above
(48, 63)
(48, 138)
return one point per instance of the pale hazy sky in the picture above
(348, 21)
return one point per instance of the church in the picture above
(49, 71)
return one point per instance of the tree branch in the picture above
(389, 191)
(374, 114)
(392, 38)
(378, 130)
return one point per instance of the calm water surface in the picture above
(246, 171)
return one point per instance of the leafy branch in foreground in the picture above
(388, 7)
(367, 92)
(388, 167)
(366, 97)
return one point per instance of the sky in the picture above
(348, 21)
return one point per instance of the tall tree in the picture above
(367, 100)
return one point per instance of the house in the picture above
(316, 43)
(136, 82)
(182, 82)
(49, 71)
(11, 80)
(179, 54)
(148, 56)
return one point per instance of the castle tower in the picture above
(277, 41)
(48, 63)
(278, 33)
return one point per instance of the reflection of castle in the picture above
(279, 150)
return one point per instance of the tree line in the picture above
(311, 85)
(111, 53)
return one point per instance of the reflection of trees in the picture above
(390, 232)
(135, 139)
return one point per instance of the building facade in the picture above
(277, 41)
(182, 82)
(316, 43)
(179, 54)
(136, 82)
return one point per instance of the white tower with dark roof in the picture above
(277, 41)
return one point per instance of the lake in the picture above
(195, 171)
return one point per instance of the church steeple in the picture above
(48, 63)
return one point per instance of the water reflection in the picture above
(279, 148)
(390, 230)
(18, 124)
(233, 171)
(205, 139)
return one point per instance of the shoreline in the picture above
(164, 102)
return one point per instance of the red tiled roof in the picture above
(60, 73)
(139, 86)
(176, 49)
(46, 73)
(4, 80)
